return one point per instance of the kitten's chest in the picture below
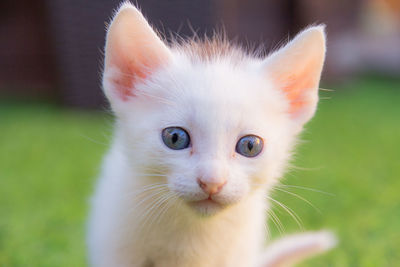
(202, 249)
(165, 258)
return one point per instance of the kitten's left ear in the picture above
(296, 70)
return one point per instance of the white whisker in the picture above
(139, 192)
(160, 99)
(149, 214)
(293, 214)
(307, 188)
(276, 221)
(170, 200)
(148, 197)
(151, 174)
(299, 197)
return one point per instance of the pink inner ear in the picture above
(297, 88)
(134, 64)
(123, 86)
(297, 95)
(125, 81)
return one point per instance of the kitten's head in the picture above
(213, 122)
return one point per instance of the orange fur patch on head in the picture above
(217, 47)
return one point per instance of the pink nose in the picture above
(211, 187)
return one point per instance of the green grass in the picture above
(49, 158)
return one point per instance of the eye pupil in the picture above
(174, 138)
(250, 145)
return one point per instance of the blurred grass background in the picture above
(50, 156)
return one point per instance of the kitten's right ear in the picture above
(296, 70)
(133, 51)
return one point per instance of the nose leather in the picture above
(212, 186)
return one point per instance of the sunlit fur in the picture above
(145, 209)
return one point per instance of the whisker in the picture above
(140, 191)
(143, 217)
(299, 197)
(294, 167)
(151, 174)
(276, 221)
(149, 185)
(162, 100)
(146, 198)
(266, 229)
(150, 206)
(150, 199)
(93, 140)
(150, 211)
(170, 200)
(327, 90)
(307, 188)
(157, 204)
(293, 214)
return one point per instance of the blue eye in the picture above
(249, 146)
(175, 138)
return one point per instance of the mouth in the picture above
(206, 206)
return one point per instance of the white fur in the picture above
(217, 103)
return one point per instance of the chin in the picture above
(207, 207)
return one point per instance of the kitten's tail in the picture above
(290, 250)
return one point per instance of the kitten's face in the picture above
(214, 126)
(216, 104)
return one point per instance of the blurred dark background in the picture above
(52, 49)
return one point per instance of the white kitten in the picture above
(203, 132)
